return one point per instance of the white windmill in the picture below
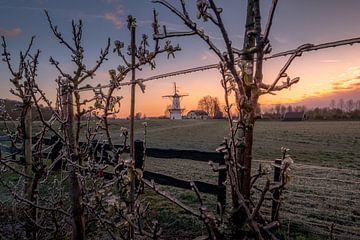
(175, 110)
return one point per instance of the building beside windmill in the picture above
(197, 114)
(175, 110)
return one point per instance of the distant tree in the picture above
(272, 110)
(167, 112)
(218, 114)
(332, 104)
(341, 104)
(283, 110)
(303, 108)
(211, 105)
(277, 109)
(289, 108)
(349, 105)
(357, 105)
(297, 108)
(138, 115)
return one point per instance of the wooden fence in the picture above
(100, 152)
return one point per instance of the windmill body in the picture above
(175, 110)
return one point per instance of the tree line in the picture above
(337, 110)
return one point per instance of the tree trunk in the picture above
(27, 144)
(246, 107)
(30, 187)
(73, 155)
(131, 173)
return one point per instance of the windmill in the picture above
(175, 110)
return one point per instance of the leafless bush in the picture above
(78, 200)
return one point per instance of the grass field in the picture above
(326, 185)
(321, 143)
(325, 189)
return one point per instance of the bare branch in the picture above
(269, 21)
(102, 58)
(170, 198)
(57, 34)
(282, 72)
(190, 24)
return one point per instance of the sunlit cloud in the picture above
(330, 61)
(345, 84)
(346, 81)
(115, 17)
(349, 81)
(10, 32)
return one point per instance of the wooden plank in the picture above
(163, 179)
(184, 154)
(179, 183)
(194, 155)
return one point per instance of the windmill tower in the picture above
(175, 110)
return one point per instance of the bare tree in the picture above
(70, 84)
(278, 108)
(242, 74)
(357, 105)
(349, 105)
(166, 111)
(283, 110)
(332, 104)
(138, 115)
(341, 104)
(289, 108)
(211, 105)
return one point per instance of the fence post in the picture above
(276, 193)
(221, 196)
(139, 160)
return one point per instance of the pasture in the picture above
(325, 190)
(321, 143)
(326, 185)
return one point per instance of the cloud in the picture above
(346, 85)
(114, 19)
(10, 32)
(330, 61)
(347, 82)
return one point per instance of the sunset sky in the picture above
(324, 74)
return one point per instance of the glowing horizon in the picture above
(324, 75)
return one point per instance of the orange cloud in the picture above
(10, 32)
(336, 87)
(345, 83)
